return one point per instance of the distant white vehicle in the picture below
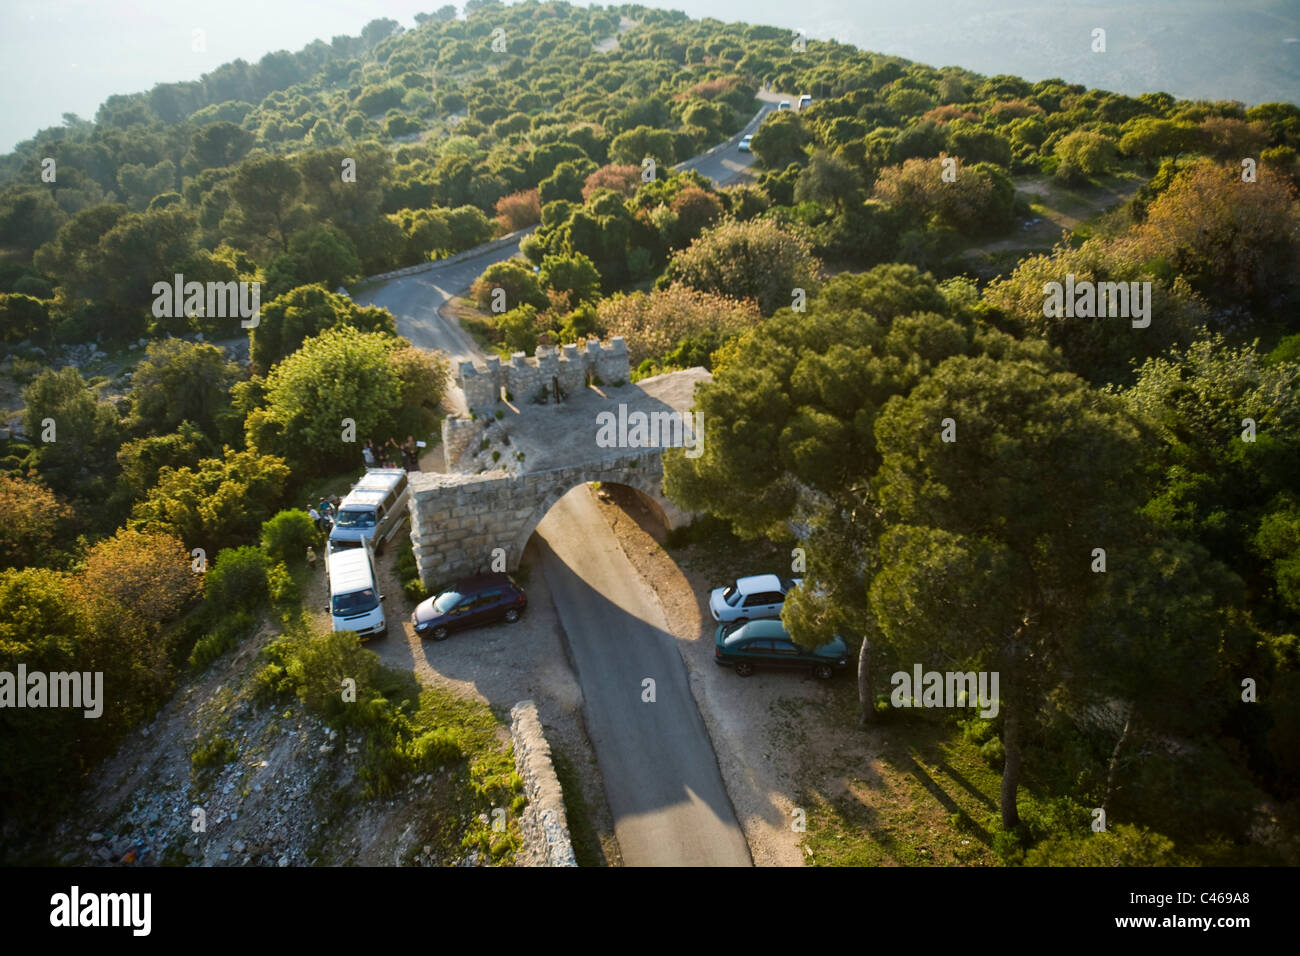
(744, 144)
(805, 100)
(785, 105)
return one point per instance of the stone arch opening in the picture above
(658, 510)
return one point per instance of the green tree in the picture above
(790, 417)
(829, 181)
(1122, 845)
(237, 580)
(575, 276)
(140, 183)
(1103, 347)
(340, 376)
(216, 145)
(29, 218)
(266, 207)
(780, 140)
(1084, 153)
(181, 381)
(219, 503)
(321, 254)
(84, 434)
(23, 317)
(288, 320)
(1151, 138)
(41, 625)
(566, 182)
(632, 146)
(141, 460)
(287, 535)
(974, 200)
(756, 260)
(516, 279)
(981, 565)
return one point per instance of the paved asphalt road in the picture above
(662, 780)
(415, 299)
(725, 163)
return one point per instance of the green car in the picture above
(767, 643)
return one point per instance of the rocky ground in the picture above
(284, 799)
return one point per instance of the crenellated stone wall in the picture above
(524, 377)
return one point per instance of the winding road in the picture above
(416, 300)
(662, 781)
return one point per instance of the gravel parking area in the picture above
(501, 665)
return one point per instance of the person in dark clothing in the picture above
(389, 453)
(410, 454)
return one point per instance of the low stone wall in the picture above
(523, 377)
(545, 825)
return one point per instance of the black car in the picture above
(477, 600)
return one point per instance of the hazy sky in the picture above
(68, 55)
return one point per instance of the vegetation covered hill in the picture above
(131, 511)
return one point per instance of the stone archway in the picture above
(510, 462)
(458, 522)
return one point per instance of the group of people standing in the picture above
(387, 454)
(322, 515)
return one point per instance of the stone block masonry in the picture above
(463, 518)
(458, 521)
(545, 825)
(458, 437)
(523, 378)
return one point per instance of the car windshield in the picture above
(355, 602)
(356, 519)
(445, 601)
(731, 595)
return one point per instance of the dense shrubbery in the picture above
(247, 177)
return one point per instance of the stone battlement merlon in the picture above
(522, 376)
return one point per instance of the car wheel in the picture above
(439, 634)
(744, 668)
(822, 671)
(512, 615)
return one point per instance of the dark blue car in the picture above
(481, 599)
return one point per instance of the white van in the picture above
(355, 601)
(372, 511)
(805, 101)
